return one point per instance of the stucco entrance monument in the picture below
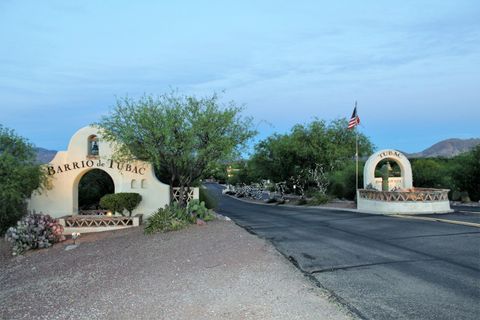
(87, 151)
(396, 195)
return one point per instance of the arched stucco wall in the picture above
(388, 154)
(66, 169)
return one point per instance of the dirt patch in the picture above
(217, 271)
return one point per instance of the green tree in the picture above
(431, 173)
(183, 136)
(20, 175)
(330, 145)
(466, 173)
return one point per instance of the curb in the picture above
(464, 223)
(293, 206)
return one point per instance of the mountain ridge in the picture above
(447, 148)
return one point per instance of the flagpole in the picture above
(356, 155)
(356, 159)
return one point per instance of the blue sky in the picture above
(413, 66)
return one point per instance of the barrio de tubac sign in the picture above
(86, 152)
(95, 164)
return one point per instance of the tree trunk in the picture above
(172, 180)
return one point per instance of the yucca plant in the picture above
(166, 219)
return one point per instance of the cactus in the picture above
(198, 210)
(34, 231)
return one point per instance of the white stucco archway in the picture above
(67, 168)
(406, 180)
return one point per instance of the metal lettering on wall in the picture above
(111, 164)
(390, 154)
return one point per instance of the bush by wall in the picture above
(111, 202)
(129, 201)
(34, 231)
(119, 202)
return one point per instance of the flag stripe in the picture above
(354, 120)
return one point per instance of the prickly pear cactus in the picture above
(34, 231)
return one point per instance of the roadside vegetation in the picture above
(316, 162)
(174, 217)
(20, 175)
(188, 139)
(460, 174)
(182, 136)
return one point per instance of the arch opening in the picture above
(393, 170)
(92, 186)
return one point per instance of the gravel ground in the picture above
(218, 271)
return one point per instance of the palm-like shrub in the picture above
(170, 218)
(34, 231)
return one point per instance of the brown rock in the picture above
(200, 222)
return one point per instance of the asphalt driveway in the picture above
(380, 267)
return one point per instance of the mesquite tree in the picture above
(182, 136)
(20, 175)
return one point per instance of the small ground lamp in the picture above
(75, 236)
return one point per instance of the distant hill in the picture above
(447, 148)
(44, 155)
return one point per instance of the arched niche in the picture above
(92, 144)
(406, 178)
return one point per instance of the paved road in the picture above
(380, 267)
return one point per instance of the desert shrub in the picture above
(206, 196)
(119, 202)
(128, 201)
(112, 202)
(301, 202)
(34, 231)
(464, 197)
(170, 218)
(342, 182)
(455, 195)
(198, 210)
(465, 172)
(318, 199)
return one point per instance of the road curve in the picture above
(380, 267)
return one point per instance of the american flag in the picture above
(354, 120)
